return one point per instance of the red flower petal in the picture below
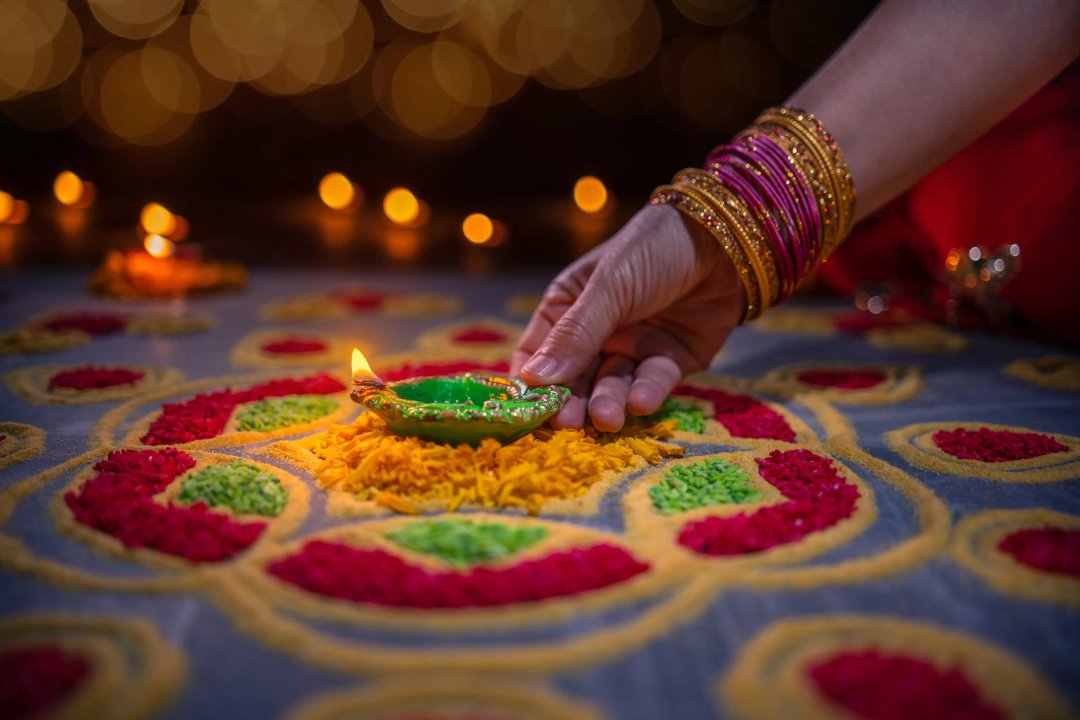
(377, 577)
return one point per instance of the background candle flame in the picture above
(361, 369)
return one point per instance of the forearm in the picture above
(920, 79)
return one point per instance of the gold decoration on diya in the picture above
(462, 408)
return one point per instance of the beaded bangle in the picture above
(703, 215)
(750, 236)
(779, 198)
(838, 167)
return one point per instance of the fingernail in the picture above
(541, 366)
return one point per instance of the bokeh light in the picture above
(158, 246)
(478, 228)
(337, 191)
(68, 188)
(401, 206)
(7, 206)
(156, 219)
(590, 194)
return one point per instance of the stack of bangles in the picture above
(779, 198)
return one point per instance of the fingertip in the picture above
(606, 415)
(572, 415)
(645, 398)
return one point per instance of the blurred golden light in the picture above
(158, 246)
(136, 19)
(401, 206)
(590, 194)
(952, 260)
(68, 188)
(419, 102)
(127, 105)
(477, 228)
(7, 206)
(337, 191)
(157, 220)
(715, 12)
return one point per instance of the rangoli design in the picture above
(472, 335)
(64, 384)
(239, 413)
(894, 330)
(881, 668)
(438, 697)
(846, 383)
(992, 452)
(462, 582)
(284, 349)
(351, 300)
(19, 442)
(67, 666)
(1058, 372)
(55, 331)
(1031, 553)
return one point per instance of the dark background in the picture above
(245, 173)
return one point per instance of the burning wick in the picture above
(364, 379)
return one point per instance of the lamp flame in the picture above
(158, 246)
(361, 370)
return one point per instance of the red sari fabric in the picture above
(1018, 183)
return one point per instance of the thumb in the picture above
(575, 339)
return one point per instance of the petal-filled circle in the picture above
(353, 300)
(175, 509)
(881, 668)
(69, 384)
(452, 574)
(984, 450)
(1030, 553)
(748, 509)
(705, 409)
(475, 334)
(282, 348)
(845, 382)
(67, 666)
(238, 413)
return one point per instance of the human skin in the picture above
(915, 83)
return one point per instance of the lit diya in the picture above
(462, 408)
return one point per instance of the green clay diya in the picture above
(463, 408)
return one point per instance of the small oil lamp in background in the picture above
(454, 409)
(12, 210)
(72, 191)
(340, 193)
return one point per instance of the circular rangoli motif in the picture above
(66, 384)
(749, 508)
(63, 666)
(1031, 553)
(846, 383)
(1059, 372)
(992, 452)
(881, 668)
(235, 414)
(279, 348)
(176, 509)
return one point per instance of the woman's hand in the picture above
(623, 324)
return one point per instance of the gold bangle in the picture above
(838, 164)
(744, 225)
(705, 215)
(718, 190)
